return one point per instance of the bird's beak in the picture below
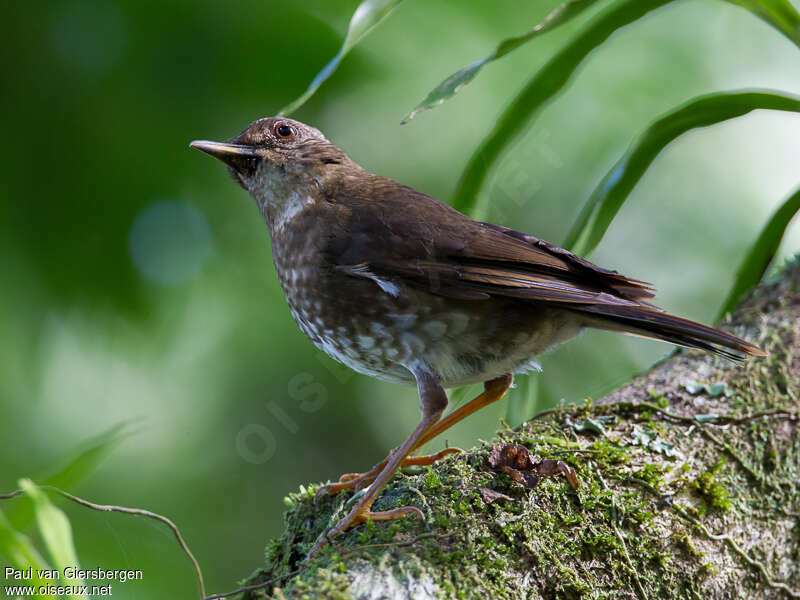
(238, 157)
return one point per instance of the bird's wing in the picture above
(525, 266)
(406, 237)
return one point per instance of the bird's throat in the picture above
(280, 201)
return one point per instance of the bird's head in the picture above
(275, 159)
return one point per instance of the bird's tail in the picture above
(649, 322)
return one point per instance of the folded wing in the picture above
(454, 256)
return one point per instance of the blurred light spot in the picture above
(88, 35)
(170, 242)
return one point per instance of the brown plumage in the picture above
(400, 286)
(458, 257)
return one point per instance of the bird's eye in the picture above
(284, 131)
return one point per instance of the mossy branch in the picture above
(689, 488)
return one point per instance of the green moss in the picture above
(684, 541)
(658, 397)
(651, 473)
(631, 498)
(610, 453)
(716, 494)
(326, 584)
(432, 480)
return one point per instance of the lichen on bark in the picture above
(689, 483)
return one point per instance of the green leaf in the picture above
(591, 425)
(778, 13)
(650, 440)
(79, 464)
(56, 532)
(365, 18)
(555, 74)
(665, 448)
(716, 389)
(612, 191)
(694, 387)
(450, 86)
(706, 418)
(541, 88)
(21, 554)
(525, 399)
(762, 252)
(85, 458)
(642, 437)
(712, 389)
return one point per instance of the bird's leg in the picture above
(433, 401)
(358, 481)
(493, 391)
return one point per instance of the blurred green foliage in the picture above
(366, 17)
(611, 192)
(56, 533)
(136, 278)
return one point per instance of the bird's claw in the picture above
(357, 517)
(358, 481)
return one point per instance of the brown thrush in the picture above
(402, 287)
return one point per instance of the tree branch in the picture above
(688, 488)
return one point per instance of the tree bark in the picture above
(688, 488)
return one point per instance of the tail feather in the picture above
(647, 322)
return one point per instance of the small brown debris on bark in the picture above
(491, 496)
(515, 461)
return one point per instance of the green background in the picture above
(136, 282)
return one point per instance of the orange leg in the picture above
(357, 479)
(433, 401)
(494, 390)
(429, 428)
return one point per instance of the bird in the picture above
(404, 288)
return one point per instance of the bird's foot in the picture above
(360, 515)
(358, 481)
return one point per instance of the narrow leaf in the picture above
(612, 191)
(85, 459)
(555, 74)
(366, 17)
(451, 86)
(706, 418)
(524, 399)
(778, 13)
(21, 554)
(56, 532)
(762, 252)
(541, 88)
(78, 465)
